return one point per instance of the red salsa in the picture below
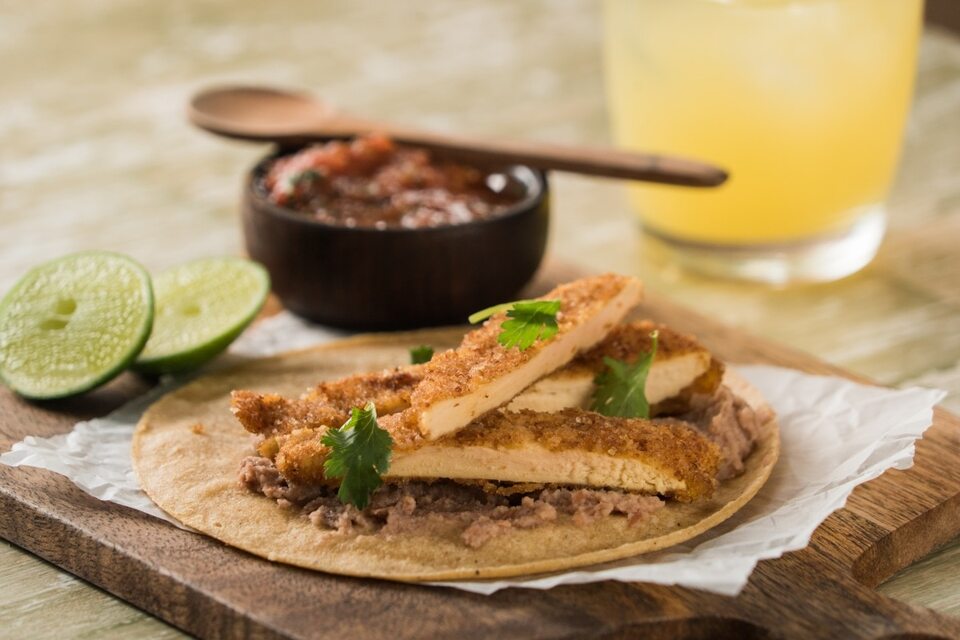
(373, 183)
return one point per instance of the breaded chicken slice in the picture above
(462, 384)
(679, 361)
(570, 447)
(681, 366)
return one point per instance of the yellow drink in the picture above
(803, 101)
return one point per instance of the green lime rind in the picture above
(201, 307)
(74, 323)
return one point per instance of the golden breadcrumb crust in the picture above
(628, 341)
(390, 390)
(480, 358)
(674, 449)
(293, 428)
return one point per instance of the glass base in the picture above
(816, 260)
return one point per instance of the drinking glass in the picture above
(802, 101)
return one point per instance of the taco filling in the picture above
(597, 419)
(724, 430)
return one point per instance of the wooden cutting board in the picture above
(213, 591)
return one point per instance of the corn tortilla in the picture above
(190, 471)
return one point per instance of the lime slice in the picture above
(202, 306)
(74, 323)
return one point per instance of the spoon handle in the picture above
(596, 161)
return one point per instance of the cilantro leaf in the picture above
(421, 354)
(528, 321)
(489, 312)
(621, 387)
(359, 455)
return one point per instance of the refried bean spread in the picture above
(370, 182)
(483, 511)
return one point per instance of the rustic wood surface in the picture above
(93, 96)
(208, 589)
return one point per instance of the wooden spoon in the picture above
(276, 115)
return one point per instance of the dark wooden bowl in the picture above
(395, 278)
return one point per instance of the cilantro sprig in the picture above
(359, 455)
(421, 354)
(621, 387)
(528, 321)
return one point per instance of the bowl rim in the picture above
(537, 186)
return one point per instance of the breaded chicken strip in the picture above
(462, 384)
(681, 366)
(570, 447)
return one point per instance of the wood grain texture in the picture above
(214, 591)
(46, 596)
(259, 114)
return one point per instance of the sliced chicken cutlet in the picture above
(567, 446)
(327, 405)
(570, 447)
(680, 360)
(462, 384)
(681, 366)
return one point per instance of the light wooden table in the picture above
(96, 154)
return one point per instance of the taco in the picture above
(599, 439)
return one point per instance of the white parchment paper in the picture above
(836, 434)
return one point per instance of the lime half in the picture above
(202, 306)
(74, 323)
